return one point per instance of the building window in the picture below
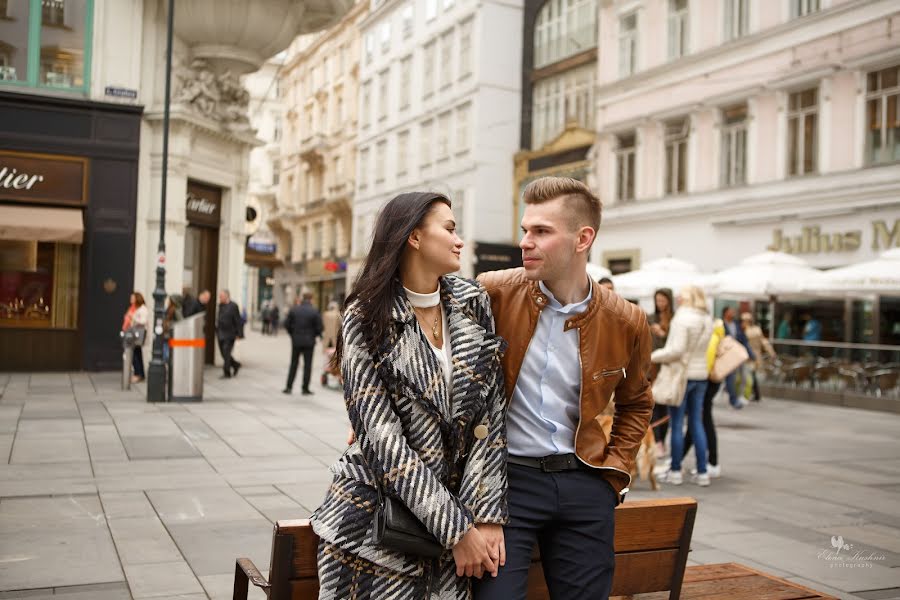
(676, 156)
(380, 155)
(625, 151)
(428, 69)
(446, 59)
(385, 36)
(443, 140)
(465, 48)
(39, 284)
(430, 9)
(628, 44)
(678, 28)
(567, 97)
(564, 28)
(339, 112)
(366, 104)
(383, 81)
(318, 231)
(734, 145)
(801, 8)
(369, 47)
(276, 172)
(406, 18)
(402, 152)
(882, 116)
(462, 128)
(803, 126)
(323, 118)
(426, 140)
(51, 35)
(737, 19)
(405, 82)
(363, 168)
(276, 128)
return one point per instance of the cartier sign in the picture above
(43, 178)
(202, 210)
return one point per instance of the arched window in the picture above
(564, 28)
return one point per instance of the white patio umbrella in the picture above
(879, 276)
(765, 275)
(668, 272)
(597, 272)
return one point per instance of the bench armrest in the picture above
(245, 573)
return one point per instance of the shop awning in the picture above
(41, 224)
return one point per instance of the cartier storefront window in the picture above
(39, 284)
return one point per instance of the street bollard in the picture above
(128, 341)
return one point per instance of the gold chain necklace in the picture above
(434, 326)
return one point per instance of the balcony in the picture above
(312, 149)
(339, 197)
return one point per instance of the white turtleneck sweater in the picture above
(444, 355)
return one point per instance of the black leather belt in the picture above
(555, 463)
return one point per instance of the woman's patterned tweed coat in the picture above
(418, 437)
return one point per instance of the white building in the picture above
(266, 114)
(726, 128)
(440, 85)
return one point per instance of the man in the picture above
(572, 344)
(192, 306)
(607, 283)
(228, 328)
(304, 325)
(734, 329)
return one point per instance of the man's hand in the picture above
(493, 535)
(472, 557)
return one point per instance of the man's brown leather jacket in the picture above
(615, 346)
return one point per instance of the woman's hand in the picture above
(351, 437)
(493, 535)
(657, 330)
(472, 557)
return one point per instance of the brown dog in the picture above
(645, 461)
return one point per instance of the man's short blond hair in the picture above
(586, 207)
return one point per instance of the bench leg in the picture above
(241, 583)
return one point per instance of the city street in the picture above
(106, 497)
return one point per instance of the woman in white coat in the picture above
(688, 339)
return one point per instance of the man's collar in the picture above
(554, 303)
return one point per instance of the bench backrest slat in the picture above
(652, 540)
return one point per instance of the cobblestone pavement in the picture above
(106, 497)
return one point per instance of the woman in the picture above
(135, 320)
(424, 393)
(660, 321)
(688, 339)
(759, 346)
(713, 469)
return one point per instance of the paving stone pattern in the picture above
(106, 497)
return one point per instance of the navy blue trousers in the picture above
(570, 516)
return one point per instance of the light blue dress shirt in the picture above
(545, 406)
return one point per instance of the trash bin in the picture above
(129, 341)
(187, 349)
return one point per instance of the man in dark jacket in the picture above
(229, 327)
(304, 324)
(192, 306)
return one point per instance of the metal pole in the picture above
(156, 374)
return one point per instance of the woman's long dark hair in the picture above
(378, 282)
(664, 318)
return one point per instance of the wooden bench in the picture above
(652, 542)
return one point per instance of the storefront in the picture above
(68, 186)
(203, 211)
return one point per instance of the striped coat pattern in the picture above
(417, 436)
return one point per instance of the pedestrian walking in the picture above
(660, 321)
(760, 346)
(689, 335)
(424, 394)
(191, 306)
(135, 321)
(229, 327)
(174, 313)
(331, 325)
(573, 344)
(304, 325)
(275, 319)
(266, 318)
(713, 469)
(733, 329)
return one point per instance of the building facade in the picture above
(317, 162)
(266, 114)
(757, 125)
(69, 156)
(559, 72)
(439, 111)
